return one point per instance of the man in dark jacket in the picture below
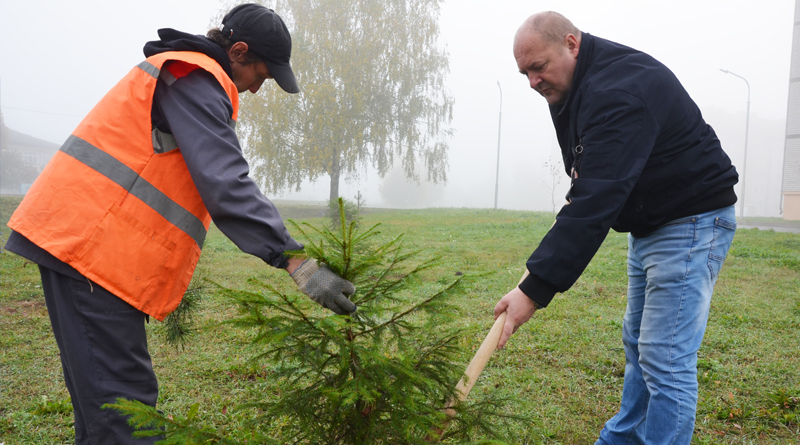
(101, 337)
(642, 160)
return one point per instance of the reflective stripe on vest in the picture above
(148, 68)
(125, 177)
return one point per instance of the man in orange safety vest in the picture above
(117, 219)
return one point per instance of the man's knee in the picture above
(662, 368)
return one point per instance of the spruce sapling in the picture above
(379, 376)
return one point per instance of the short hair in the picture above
(551, 26)
(216, 36)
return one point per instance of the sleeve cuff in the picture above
(538, 290)
(279, 260)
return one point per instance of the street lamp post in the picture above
(499, 123)
(746, 130)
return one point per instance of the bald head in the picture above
(546, 48)
(550, 26)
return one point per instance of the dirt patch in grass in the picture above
(24, 308)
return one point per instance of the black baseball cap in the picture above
(266, 36)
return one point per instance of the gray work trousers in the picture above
(104, 356)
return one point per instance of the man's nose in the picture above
(534, 81)
(254, 89)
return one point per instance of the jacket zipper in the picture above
(574, 173)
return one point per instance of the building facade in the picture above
(22, 158)
(791, 157)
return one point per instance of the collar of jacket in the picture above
(581, 67)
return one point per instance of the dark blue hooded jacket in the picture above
(642, 156)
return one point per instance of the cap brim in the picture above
(284, 76)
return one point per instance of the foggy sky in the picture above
(57, 59)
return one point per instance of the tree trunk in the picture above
(334, 173)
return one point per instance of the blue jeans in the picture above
(671, 275)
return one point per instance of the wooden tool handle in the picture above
(480, 359)
(474, 369)
(482, 356)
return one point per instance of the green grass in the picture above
(566, 364)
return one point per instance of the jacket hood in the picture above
(172, 40)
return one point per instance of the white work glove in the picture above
(324, 286)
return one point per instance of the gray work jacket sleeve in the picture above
(197, 111)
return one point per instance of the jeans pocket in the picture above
(724, 230)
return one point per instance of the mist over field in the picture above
(75, 68)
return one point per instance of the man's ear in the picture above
(573, 44)
(238, 51)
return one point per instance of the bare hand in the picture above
(520, 309)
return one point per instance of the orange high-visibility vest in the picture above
(117, 202)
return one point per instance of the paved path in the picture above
(776, 226)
